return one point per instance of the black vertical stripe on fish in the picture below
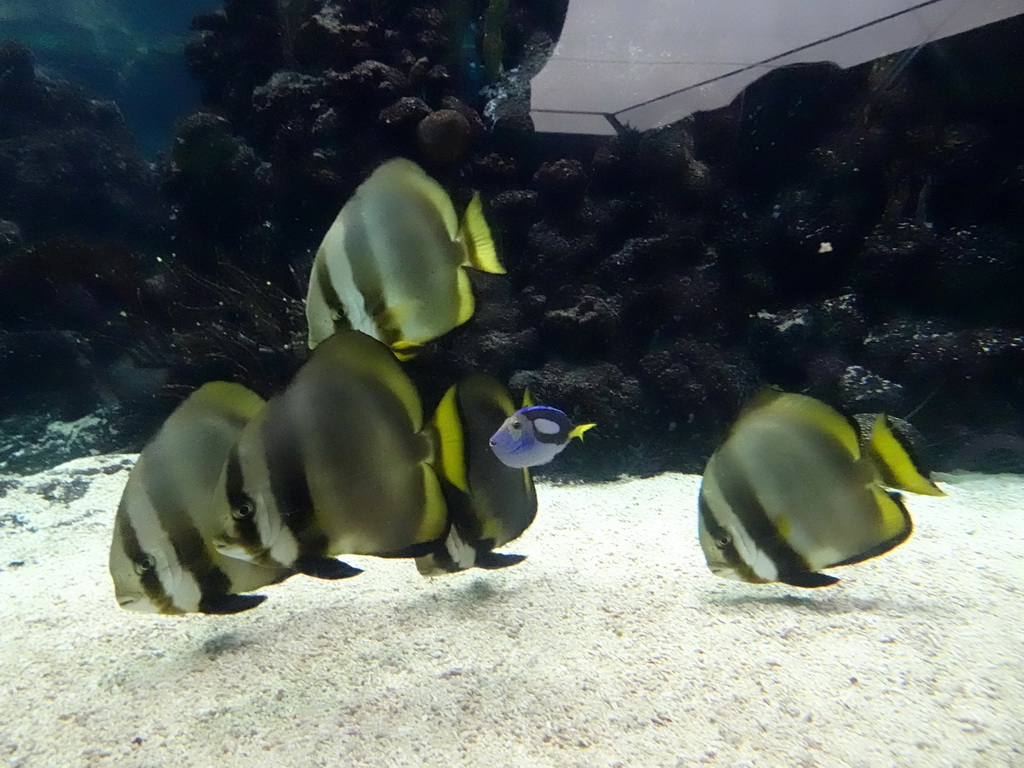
(366, 277)
(189, 546)
(234, 486)
(148, 578)
(331, 297)
(885, 473)
(443, 560)
(286, 468)
(461, 514)
(742, 500)
(725, 542)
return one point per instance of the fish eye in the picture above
(723, 541)
(244, 511)
(516, 425)
(147, 563)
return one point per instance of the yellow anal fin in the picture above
(894, 519)
(894, 527)
(579, 430)
(893, 463)
(475, 235)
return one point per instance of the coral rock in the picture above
(327, 40)
(379, 78)
(860, 389)
(562, 180)
(405, 113)
(444, 137)
(514, 208)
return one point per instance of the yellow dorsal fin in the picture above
(893, 464)
(475, 235)
(449, 450)
(527, 399)
(808, 411)
(356, 353)
(228, 398)
(402, 173)
(579, 429)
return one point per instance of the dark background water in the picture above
(129, 51)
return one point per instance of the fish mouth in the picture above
(137, 603)
(735, 574)
(230, 547)
(236, 550)
(725, 572)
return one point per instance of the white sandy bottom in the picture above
(611, 645)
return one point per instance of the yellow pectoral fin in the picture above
(467, 304)
(395, 318)
(450, 448)
(435, 510)
(475, 234)
(393, 323)
(579, 430)
(893, 463)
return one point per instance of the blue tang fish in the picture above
(534, 435)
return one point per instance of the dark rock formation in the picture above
(846, 233)
(68, 164)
